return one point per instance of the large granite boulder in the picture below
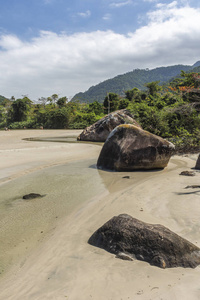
(99, 131)
(130, 238)
(130, 148)
(197, 166)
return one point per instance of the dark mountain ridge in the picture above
(136, 78)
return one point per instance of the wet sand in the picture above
(43, 242)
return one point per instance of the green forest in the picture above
(136, 78)
(171, 111)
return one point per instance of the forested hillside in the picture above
(137, 78)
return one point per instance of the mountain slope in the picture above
(137, 78)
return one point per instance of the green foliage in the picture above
(61, 102)
(153, 88)
(150, 118)
(20, 109)
(111, 102)
(82, 120)
(23, 125)
(123, 103)
(135, 95)
(96, 107)
(57, 119)
(3, 116)
(171, 114)
(187, 143)
(182, 119)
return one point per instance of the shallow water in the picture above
(23, 223)
(62, 139)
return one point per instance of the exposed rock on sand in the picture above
(130, 148)
(197, 166)
(32, 196)
(192, 187)
(187, 173)
(128, 238)
(99, 131)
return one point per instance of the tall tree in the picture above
(111, 102)
(153, 87)
(19, 109)
(61, 102)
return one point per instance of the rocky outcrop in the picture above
(192, 186)
(187, 173)
(130, 238)
(32, 196)
(130, 148)
(197, 166)
(99, 131)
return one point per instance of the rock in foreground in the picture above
(130, 148)
(99, 131)
(128, 237)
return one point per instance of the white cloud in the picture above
(107, 17)
(8, 42)
(85, 14)
(120, 4)
(150, 1)
(67, 64)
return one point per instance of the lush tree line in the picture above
(171, 111)
(50, 113)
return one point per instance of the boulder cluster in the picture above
(128, 147)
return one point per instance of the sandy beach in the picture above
(44, 252)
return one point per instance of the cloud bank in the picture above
(67, 64)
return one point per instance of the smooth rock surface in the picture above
(128, 238)
(130, 148)
(99, 131)
(197, 166)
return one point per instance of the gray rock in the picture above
(99, 131)
(154, 244)
(197, 166)
(130, 148)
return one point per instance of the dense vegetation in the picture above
(137, 78)
(171, 111)
(51, 113)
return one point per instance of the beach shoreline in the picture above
(62, 265)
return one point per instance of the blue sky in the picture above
(26, 18)
(64, 47)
